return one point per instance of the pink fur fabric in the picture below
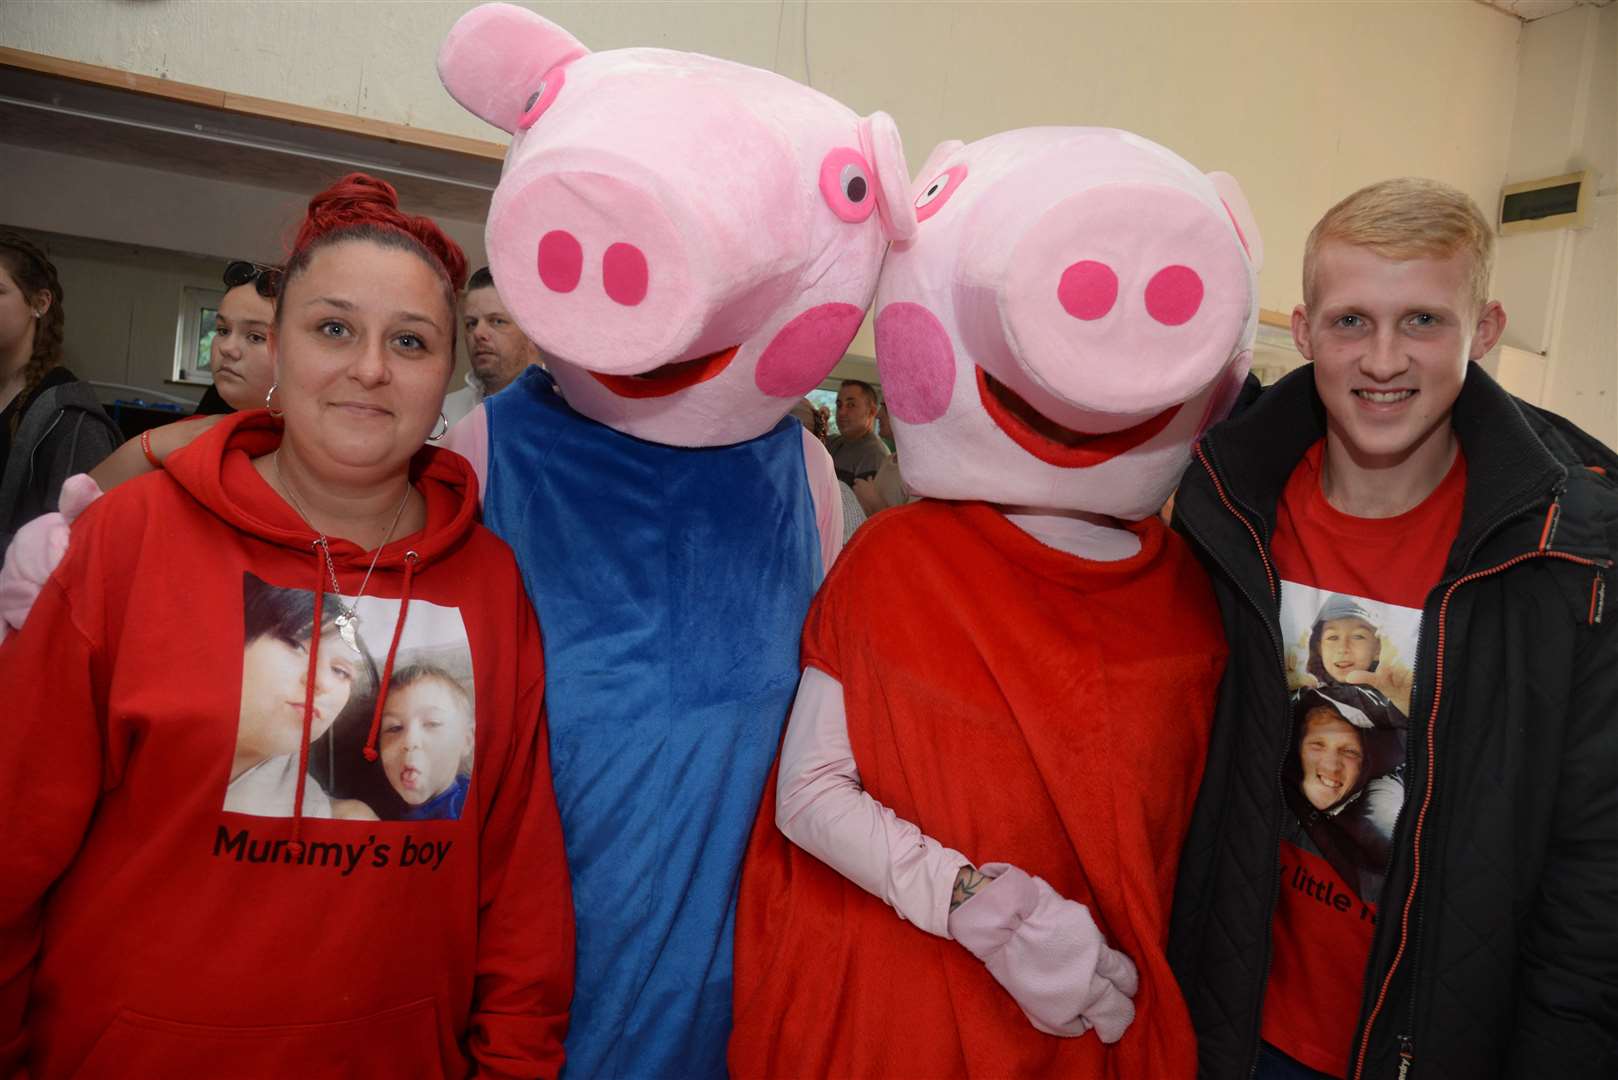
(1078, 305)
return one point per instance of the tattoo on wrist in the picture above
(967, 884)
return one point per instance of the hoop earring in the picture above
(272, 410)
(441, 429)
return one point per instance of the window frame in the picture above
(189, 331)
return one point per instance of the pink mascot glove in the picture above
(1048, 954)
(36, 549)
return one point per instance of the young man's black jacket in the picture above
(1496, 949)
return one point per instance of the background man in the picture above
(1394, 475)
(856, 450)
(497, 350)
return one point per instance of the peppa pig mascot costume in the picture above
(695, 242)
(1008, 685)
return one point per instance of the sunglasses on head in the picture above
(266, 280)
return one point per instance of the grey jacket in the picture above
(63, 432)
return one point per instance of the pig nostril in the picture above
(624, 274)
(1173, 295)
(561, 260)
(1088, 289)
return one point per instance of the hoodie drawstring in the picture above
(308, 710)
(387, 667)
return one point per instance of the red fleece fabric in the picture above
(1020, 705)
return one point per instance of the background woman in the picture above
(125, 717)
(50, 423)
(238, 356)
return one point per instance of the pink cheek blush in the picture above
(1173, 295)
(624, 274)
(917, 362)
(1087, 290)
(561, 260)
(804, 351)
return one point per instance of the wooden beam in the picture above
(243, 104)
(1278, 319)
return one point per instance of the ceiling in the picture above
(47, 112)
(1529, 10)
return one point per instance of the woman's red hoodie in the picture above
(146, 931)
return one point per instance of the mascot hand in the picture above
(36, 549)
(1048, 954)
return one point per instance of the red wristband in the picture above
(146, 448)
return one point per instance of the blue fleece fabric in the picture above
(671, 587)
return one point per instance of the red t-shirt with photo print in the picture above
(1343, 577)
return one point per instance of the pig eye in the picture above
(936, 194)
(854, 184)
(845, 184)
(541, 98)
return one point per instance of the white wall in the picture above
(1560, 289)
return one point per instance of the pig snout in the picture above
(619, 274)
(1122, 299)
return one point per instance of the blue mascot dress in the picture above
(671, 586)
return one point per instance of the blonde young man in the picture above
(495, 348)
(1455, 912)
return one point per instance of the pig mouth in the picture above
(1054, 444)
(670, 378)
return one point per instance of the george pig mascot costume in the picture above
(1008, 685)
(695, 243)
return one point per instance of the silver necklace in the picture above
(347, 620)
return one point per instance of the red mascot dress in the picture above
(1028, 680)
(1039, 708)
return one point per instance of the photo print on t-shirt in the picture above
(427, 730)
(1349, 663)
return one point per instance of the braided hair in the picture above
(34, 274)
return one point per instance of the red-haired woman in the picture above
(50, 423)
(154, 921)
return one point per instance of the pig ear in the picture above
(1241, 216)
(879, 141)
(495, 56)
(935, 160)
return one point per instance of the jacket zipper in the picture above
(1407, 1052)
(33, 451)
(1280, 656)
(1263, 554)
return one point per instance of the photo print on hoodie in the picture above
(427, 729)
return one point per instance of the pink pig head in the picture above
(1077, 307)
(695, 241)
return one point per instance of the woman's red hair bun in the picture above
(361, 202)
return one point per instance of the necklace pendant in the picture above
(346, 622)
